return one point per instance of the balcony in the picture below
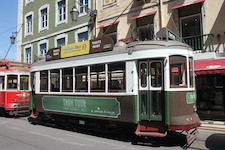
(201, 43)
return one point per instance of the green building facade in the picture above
(43, 25)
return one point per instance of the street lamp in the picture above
(75, 13)
(13, 38)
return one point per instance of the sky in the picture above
(8, 25)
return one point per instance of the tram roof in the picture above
(121, 48)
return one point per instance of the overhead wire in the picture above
(49, 13)
(13, 43)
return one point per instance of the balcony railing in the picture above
(201, 43)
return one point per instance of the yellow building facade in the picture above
(201, 25)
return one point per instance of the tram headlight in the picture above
(195, 108)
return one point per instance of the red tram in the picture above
(14, 87)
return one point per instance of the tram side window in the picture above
(81, 79)
(2, 83)
(67, 80)
(191, 72)
(178, 71)
(24, 82)
(98, 78)
(12, 82)
(55, 80)
(117, 77)
(44, 81)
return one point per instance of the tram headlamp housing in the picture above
(195, 108)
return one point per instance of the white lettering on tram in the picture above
(74, 103)
(79, 103)
(68, 102)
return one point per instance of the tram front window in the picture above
(2, 83)
(178, 71)
(24, 82)
(12, 82)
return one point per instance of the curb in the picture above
(212, 125)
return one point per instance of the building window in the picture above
(28, 55)
(28, 1)
(83, 5)
(191, 25)
(29, 24)
(105, 2)
(44, 18)
(111, 32)
(61, 11)
(61, 42)
(145, 28)
(82, 36)
(43, 49)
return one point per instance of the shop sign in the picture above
(191, 97)
(75, 49)
(213, 66)
(92, 106)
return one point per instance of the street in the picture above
(18, 133)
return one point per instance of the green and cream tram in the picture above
(146, 85)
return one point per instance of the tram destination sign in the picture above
(191, 97)
(93, 106)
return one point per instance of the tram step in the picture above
(154, 129)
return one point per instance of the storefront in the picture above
(210, 85)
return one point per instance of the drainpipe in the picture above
(161, 13)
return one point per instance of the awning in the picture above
(213, 66)
(106, 25)
(143, 15)
(186, 4)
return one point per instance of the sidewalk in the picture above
(212, 125)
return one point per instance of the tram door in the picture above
(151, 89)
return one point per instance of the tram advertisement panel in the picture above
(101, 44)
(75, 49)
(94, 106)
(53, 53)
